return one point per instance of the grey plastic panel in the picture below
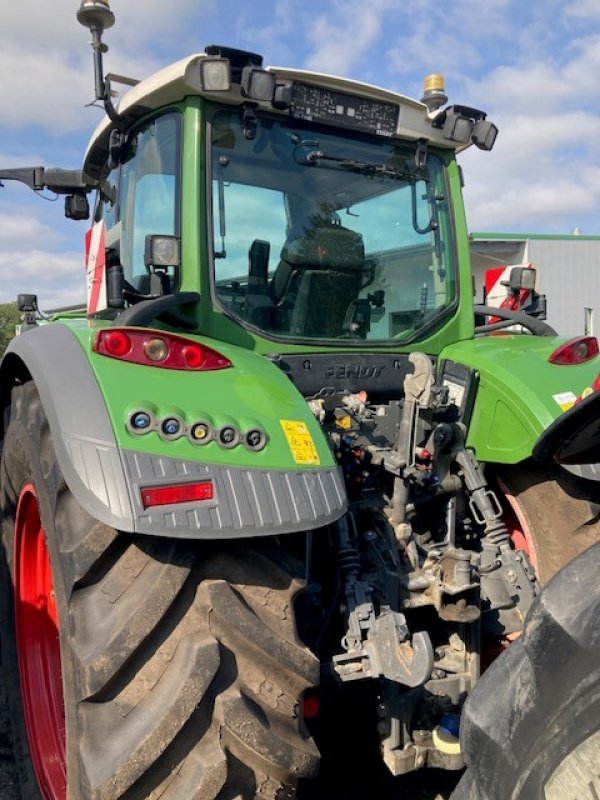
(81, 429)
(247, 502)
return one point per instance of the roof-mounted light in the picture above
(95, 14)
(484, 134)
(215, 74)
(258, 84)
(434, 92)
(462, 124)
(457, 128)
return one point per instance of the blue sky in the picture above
(533, 66)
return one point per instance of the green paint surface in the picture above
(254, 392)
(515, 400)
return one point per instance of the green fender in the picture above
(519, 391)
(291, 484)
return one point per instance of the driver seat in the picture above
(318, 276)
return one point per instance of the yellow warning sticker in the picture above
(565, 400)
(300, 442)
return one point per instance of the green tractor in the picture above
(269, 504)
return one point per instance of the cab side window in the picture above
(142, 196)
(107, 200)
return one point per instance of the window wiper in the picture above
(316, 157)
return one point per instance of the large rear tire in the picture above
(551, 514)
(531, 728)
(182, 670)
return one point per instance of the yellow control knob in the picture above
(445, 742)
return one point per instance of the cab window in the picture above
(141, 196)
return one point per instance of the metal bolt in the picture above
(419, 760)
(511, 576)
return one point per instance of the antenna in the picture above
(97, 16)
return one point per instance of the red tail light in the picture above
(179, 493)
(157, 349)
(575, 351)
(311, 705)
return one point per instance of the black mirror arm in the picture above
(536, 326)
(60, 181)
(165, 308)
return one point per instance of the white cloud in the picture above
(341, 38)
(583, 9)
(56, 278)
(540, 176)
(19, 227)
(46, 61)
(46, 89)
(272, 39)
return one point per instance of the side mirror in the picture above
(521, 279)
(27, 303)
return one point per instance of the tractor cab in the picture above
(303, 208)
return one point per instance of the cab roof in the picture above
(179, 80)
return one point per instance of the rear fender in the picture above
(520, 392)
(107, 480)
(82, 434)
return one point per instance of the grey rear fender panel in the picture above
(107, 480)
(82, 433)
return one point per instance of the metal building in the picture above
(568, 273)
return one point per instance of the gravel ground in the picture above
(8, 778)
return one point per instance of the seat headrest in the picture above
(326, 247)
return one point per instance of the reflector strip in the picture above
(177, 493)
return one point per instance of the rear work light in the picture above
(157, 349)
(575, 351)
(177, 493)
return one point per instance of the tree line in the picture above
(10, 317)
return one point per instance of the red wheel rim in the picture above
(39, 649)
(517, 526)
(521, 539)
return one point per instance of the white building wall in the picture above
(568, 274)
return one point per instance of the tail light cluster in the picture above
(157, 349)
(575, 351)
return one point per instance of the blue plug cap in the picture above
(450, 723)
(140, 420)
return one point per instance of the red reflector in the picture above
(311, 705)
(575, 351)
(168, 351)
(180, 493)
